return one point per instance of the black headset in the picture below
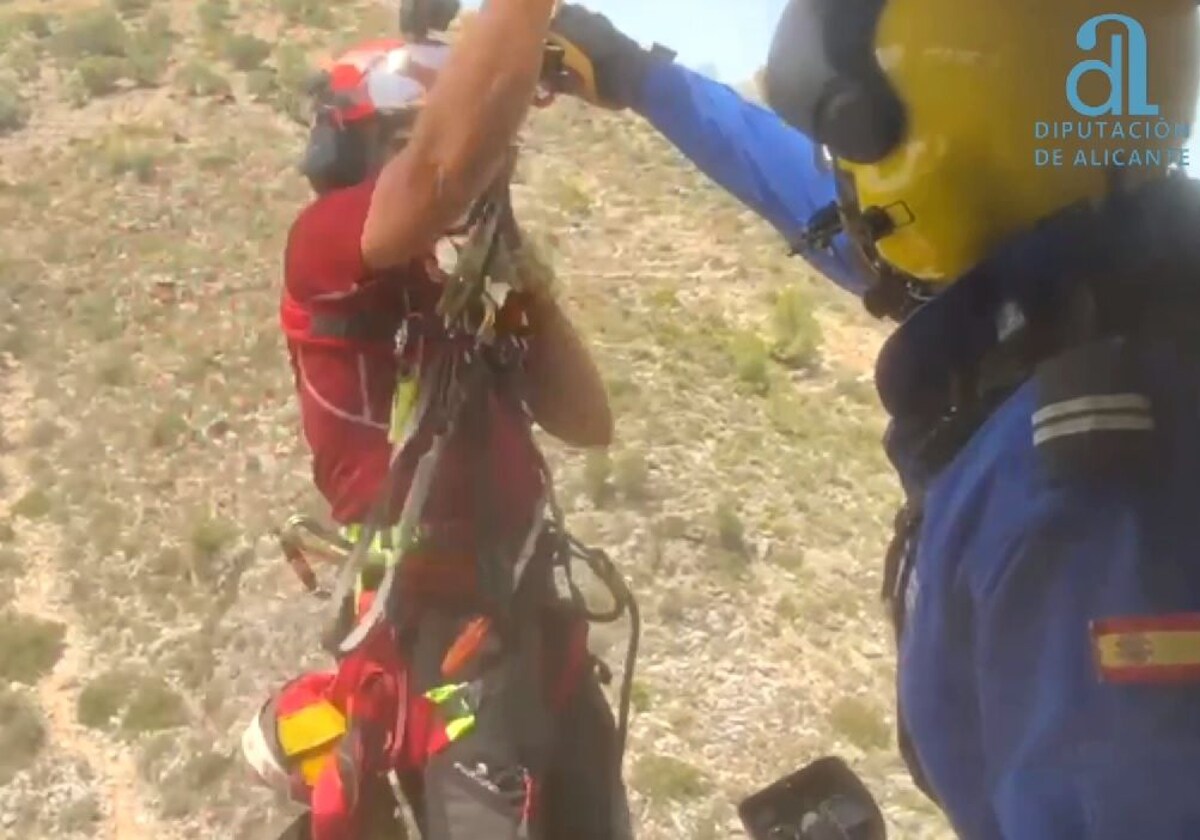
(337, 154)
(822, 77)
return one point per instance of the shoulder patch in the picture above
(1161, 649)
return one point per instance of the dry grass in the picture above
(146, 185)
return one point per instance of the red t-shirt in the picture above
(346, 392)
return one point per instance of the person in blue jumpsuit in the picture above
(1043, 385)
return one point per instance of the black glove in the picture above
(420, 17)
(604, 65)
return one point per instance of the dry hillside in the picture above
(149, 438)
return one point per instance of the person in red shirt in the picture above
(530, 753)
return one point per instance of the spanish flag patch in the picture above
(1158, 649)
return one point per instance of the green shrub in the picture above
(861, 723)
(14, 113)
(24, 61)
(92, 32)
(29, 646)
(314, 13)
(132, 8)
(104, 698)
(663, 778)
(632, 475)
(34, 504)
(731, 533)
(22, 733)
(246, 52)
(293, 72)
(157, 26)
(148, 59)
(597, 474)
(262, 84)
(153, 706)
(17, 25)
(122, 157)
(750, 361)
(100, 75)
(213, 15)
(210, 536)
(797, 332)
(198, 79)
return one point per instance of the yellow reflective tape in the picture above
(403, 400)
(377, 554)
(442, 693)
(309, 728)
(455, 729)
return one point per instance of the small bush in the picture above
(24, 24)
(731, 533)
(24, 61)
(640, 696)
(121, 158)
(797, 332)
(153, 707)
(210, 536)
(132, 8)
(572, 196)
(169, 427)
(104, 698)
(22, 733)
(100, 75)
(14, 113)
(861, 723)
(148, 59)
(663, 778)
(314, 13)
(34, 504)
(750, 361)
(262, 85)
(114, 369)
(185, 789)
(30, 647)
(157, 27)
(597, 474)
(213, 15)
(246, 52)
(632, 475)
(81, 816)
(90, 33)
(291, 82)
(198, 79)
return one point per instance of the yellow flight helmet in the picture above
(955, 124)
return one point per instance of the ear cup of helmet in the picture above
(336, 155)
(822, 77)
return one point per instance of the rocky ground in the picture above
(149, 440)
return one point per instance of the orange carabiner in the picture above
(466, 646)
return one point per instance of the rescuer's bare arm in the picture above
(460, 140)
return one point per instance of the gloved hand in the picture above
(604, 66)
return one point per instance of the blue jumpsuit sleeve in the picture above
(753, 154)
(1069, 752)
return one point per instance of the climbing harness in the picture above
(462, 349)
